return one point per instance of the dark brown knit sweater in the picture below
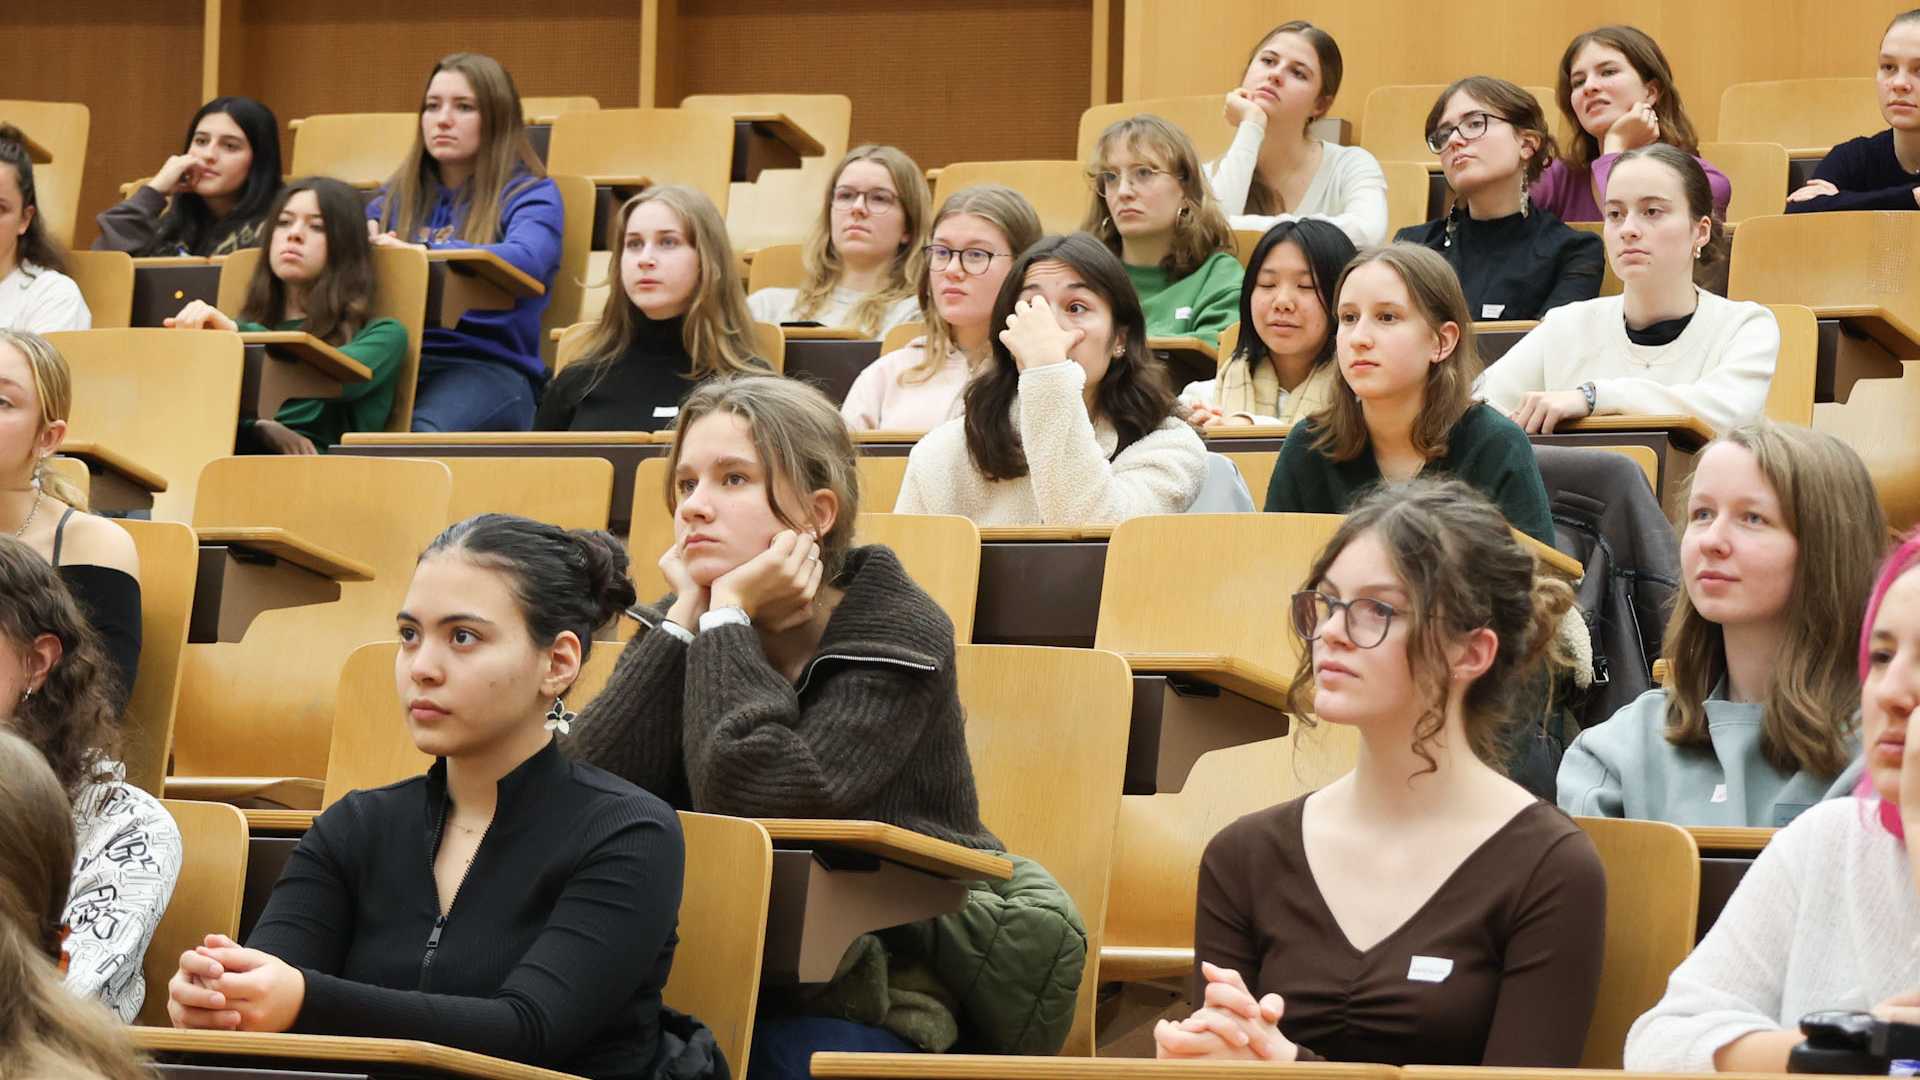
(873, 731)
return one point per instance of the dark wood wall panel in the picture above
(945, 80)
(135, 64)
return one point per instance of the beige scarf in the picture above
(1258, 393)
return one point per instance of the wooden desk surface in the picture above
(506, 438)
(112, 460)
(278, 821)
(1031, 533)
(1689, 433)
(1551, 559)
(822, 333)
(1244, 677)
(998, 1067)
(782, 127)
(1472, 1072)
(490, 267)
(407, 1053)
(285, 790)
(1244, 431)
(145, 262)
(281, 544)
(1730, 838)
(311, 351)
(891, 842)
(1184, 344)
(1886, 327)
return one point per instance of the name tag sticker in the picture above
(1491, 311)
(1719, 793)
(1431, 969)
(1183, 313)
(665, 412)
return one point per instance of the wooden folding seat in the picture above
(632, 148)
(941, 553)
(206, 898)
(1407, 189)
(60, 128)
(780, 205)
(1807, 116)
(567, 300)
(1653, 899)
(723, 929)
(571, 492)
(542, 110)
(106, 284)
(1758, 172)
(362, 149)
(169, 560)
(1393, 122)
(1790, 394)
(1201, 116)
(777, 267)
(1059, 190)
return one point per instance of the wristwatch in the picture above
(1592, 395)
(726, 616)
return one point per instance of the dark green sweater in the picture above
(1487, 450)
(382, 346)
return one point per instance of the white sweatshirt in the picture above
(1349, 189)
(1718, 369)
(42, 301)
(1826, 918)
(126, 860)
(1070, 479)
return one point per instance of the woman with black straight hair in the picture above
(212, 197)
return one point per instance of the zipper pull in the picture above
(433, 939)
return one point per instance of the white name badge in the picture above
(1183, 313)
(1491, 311)
(665, 412)
(1719, 793)
(1431, 969)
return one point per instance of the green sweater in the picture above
(382, 346)
(1487, 450)
(1199, 305)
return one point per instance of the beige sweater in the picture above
(1073, 476)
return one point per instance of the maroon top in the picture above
(1501, 966)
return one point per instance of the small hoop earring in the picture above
(559, 719)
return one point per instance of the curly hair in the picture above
(71, 718)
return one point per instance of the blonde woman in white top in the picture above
(1664, 345)
(863, 256)
(1275, 171)
(977, 235)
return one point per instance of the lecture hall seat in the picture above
(206, 897)
(61, 127)
(780, 205)
(1059, 190)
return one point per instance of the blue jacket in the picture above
(531, 220)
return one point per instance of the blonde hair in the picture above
(803, 444)
(718, 329)
(1438, 299)
(909, 266)
(1828, 503)
(1201, 229)
(504, 152)
(999, 206)
(45, 1029)
(53, 385)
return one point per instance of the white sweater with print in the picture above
(1826, 918)
(1348, 190)
(1070, 479)
(1718, 369)
(126, 860)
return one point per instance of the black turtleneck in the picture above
(1518, 266)
(639, 390)
(553, 952)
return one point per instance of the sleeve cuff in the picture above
(726, 616)
(674, 628)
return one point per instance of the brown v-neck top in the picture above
(1501, 966)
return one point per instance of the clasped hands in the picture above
(223, 987)
(1231, 1025)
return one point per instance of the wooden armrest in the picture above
(900, 845)
(1241, 676)
(279, 821)
(311, 351)
(281, 544)
(782, 127)
(1184, 344)
(1687, 432)
(106, 457)
(490, 268)
(1140, 963)
(848, 1066)
(290, 791)
(506, 438)
(1247, 431)
(822, 333)
(413, 1055)
(1884, 326)
(1730, 838)
(1551, 559)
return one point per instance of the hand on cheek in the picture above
(775, 588)
(690, 599)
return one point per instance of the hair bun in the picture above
(609, 588)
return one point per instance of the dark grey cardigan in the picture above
(874, 729)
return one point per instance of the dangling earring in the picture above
(1185, 212)
(26, 697)
(1526, 204)
(559, 719)
(1452, 224)
(1106, 223)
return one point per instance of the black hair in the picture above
(564, 579)
(1328, 251)
(37, 246)
(189, 224)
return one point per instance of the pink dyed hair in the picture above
(1903, 559)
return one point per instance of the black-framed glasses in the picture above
(972, 260)
(879, 201)
(1108, 182)
(1367, 619)
(1471, 126)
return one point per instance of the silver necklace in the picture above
(31, 511)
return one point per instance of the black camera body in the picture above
(1852, 1043)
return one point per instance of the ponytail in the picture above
(37, 246)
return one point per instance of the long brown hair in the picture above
(53, 386)
(909, 265)
(999, 206)
(1448, 393)
(1462, 571)
(1710, 265)
(339, 300)
(718, 330)
(1828, 503)
(803, 444)
(1644, 55)
(71, 719)
(505, 161)
(1133, 396)
(1261, 198)
(37, 245)
(45, 1030)
(1200, 231)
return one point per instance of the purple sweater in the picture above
(531, 222)
(1570, 196)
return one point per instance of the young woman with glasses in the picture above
(1471, 934)
(1515, 260)
(1152, 208)
(977, 234)
(863, 259)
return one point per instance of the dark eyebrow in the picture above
(456, 617)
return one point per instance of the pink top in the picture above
(1572, 200)
(880, 401)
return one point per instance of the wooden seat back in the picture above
(106, 284)
(1393, 122)
(1653, 898)
(168, 399)
(362, 149)
(543, 109)
(571, 492)
(1758, 172)
(571, 283)
(1028, 710)
(780, 205)
(780, 266)
(693, 147)
(723, 929)
(1871, 258)
(264, 706)
(941, 553)
(61, 127)
(1058, 190)
(206, 897)
(1790, 394)
(169, 560)
(1799, 114)
(1407, 191)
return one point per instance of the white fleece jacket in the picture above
(1070, 479)
(1348, 190)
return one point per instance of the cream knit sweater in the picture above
(1070, 479)
(1718, 369)
(1826, 918)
